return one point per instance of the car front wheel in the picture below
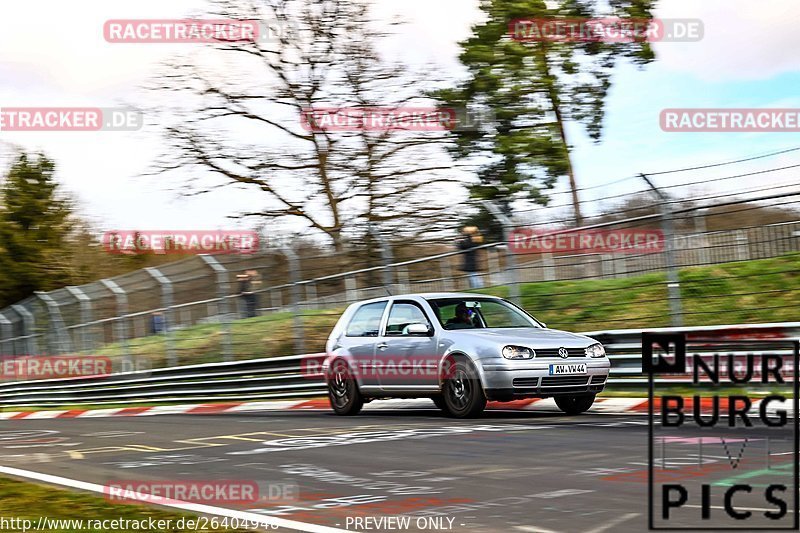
(463, 394)
(575, 405)
(343, 390)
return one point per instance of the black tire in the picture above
(462, 392)
(345, 398)
(575, 405)
(438, 400)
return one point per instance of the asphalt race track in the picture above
(508, 471)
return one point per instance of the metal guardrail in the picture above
(285, 377)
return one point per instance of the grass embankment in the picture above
(763, 290)
(30, 501)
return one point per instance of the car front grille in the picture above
(563, 381)
(596, 380)
(525, 382)
(553, 352)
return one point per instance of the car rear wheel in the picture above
(575, 405)
(463, 394)
(343, 390)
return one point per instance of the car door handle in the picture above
(382, 346)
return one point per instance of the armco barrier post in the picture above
(223, 289)
(28, 325)
(673, 281)
(87, 342)
(297, 319)
(61, 343)
(167, 301)
(120, 324)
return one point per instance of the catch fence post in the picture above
(223, 289)
(673, 279)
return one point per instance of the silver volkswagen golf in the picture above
(461, 350)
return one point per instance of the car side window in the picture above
(366, 321)
(401, 315)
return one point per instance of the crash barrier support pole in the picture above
(548, 267)
(511, 260)
(673, 281)
(386, 257)
(87, 341)
(311, 295)
(28, 325)
(5, 336)
(350, 289)
(223, 290)
(447, 273)
(167, 301)
(120, 324)
(297, 319)
(59, 343)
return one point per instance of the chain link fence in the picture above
(198, 310)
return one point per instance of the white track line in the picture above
(613, 523)
(534, 529)
(185, 506)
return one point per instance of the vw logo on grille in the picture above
(563, 353)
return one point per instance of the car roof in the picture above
(430, 296)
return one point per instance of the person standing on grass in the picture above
(247, 285)
(468, 244)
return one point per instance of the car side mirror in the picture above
(418, 329)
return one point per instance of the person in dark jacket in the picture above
(247, 285)
(472, 238)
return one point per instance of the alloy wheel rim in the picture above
(460, 390)
(339, 388)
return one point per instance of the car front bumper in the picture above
(507, 380)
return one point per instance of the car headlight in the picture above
(517, 352)
(596, 350)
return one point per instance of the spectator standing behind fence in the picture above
(472, 238)
(248, 283)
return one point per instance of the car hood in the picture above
(538, 337)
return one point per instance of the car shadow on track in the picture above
(493, 414)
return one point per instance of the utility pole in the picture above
(673, 281)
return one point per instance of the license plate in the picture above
(567, 369)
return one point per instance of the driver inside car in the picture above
(463, 318)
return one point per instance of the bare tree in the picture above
(239, 121)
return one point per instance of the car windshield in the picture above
(471, 313)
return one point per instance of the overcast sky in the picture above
(53, 54)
